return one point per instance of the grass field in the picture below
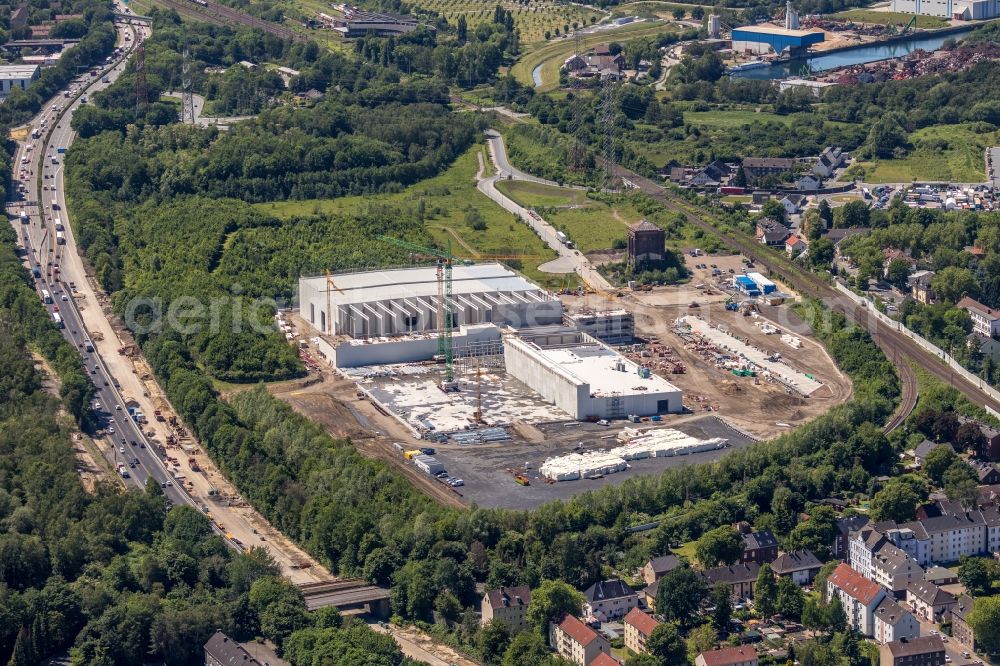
(591, 225)
(732, 119)
(943, 152)
(895, 18)
(446, 198)
(532, 19)
(651, 8)
(552, 54)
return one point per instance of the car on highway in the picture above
(111, 430)
(121, 449)
(65, 298)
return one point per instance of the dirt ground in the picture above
(764, 410)
(332, 403)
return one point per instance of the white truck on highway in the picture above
(123, 470)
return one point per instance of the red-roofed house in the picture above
(638, 627)
(859, 596)
(605, 659)
(577, 642)
(744, 655)
(794, 244)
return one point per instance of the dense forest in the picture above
(113, 576)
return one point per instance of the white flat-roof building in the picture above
(963, 9)
(585, 378)
(16, 76)
(405, 301)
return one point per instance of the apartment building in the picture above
(930, 602)
(858, 595)
(508, 606)
(744, 655)
(922, 651)
(985, 320)
(893, 622)
(576, 642)
(609, 599)
(638, 627)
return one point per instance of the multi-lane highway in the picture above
(43, 237)
(38, 190)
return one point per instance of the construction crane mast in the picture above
(445, 318)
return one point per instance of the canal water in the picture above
(853, 56)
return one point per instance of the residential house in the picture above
(677, 174)
(575, 63)
(799, 565)
(845, 526)
(758, 167)
(795, 245)
(808, 183)
(772, 232)
(576, 642)
(221, 650)
(739, 577)
(638, 627)
(712, 175)
(760, 197)
(989, 449)
(987, 473)
(858, 595)
(793, 203)
(649, 594)
(657, 567)
(508, 606)
(744, 655)
(921, 651)
(760, 547)
(609, 599)
(985, 320)
(919, 283)
(893, 622)
(829, 161)
(923, 449)
(605, 659)
(930, 602)
(603, 65)
(961, 631)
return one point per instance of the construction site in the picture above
(485, 388)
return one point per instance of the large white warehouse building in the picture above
(405, 301)
(963, 9)
(585, 378)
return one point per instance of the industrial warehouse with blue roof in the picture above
(761, 39)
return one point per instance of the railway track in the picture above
(213, 12)
(898, 348)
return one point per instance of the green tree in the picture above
(765, 592)
(960, 482)
(702, 639)
(938, 461)
(722, 601)
(665, 644)
(952, 283)
(821, 253)
(527, 649)
(825, 213)
(896, 501)
(678, 596)
(972, 573)
(784, 510)
(886, 136)
(493, 641)
(679, 13)
(550, 600)
(790, 600)
(772, 209)
(897, 273)
(697, 13)
(985, 623)
(853, 214)
(462, 29)
(723, 545)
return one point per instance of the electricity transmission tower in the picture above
(187, 97)
(608, 115)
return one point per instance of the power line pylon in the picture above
(608, 121)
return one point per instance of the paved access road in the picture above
(576, 261)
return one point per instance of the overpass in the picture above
(47, 45)
(350, 597)
(135, 19)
